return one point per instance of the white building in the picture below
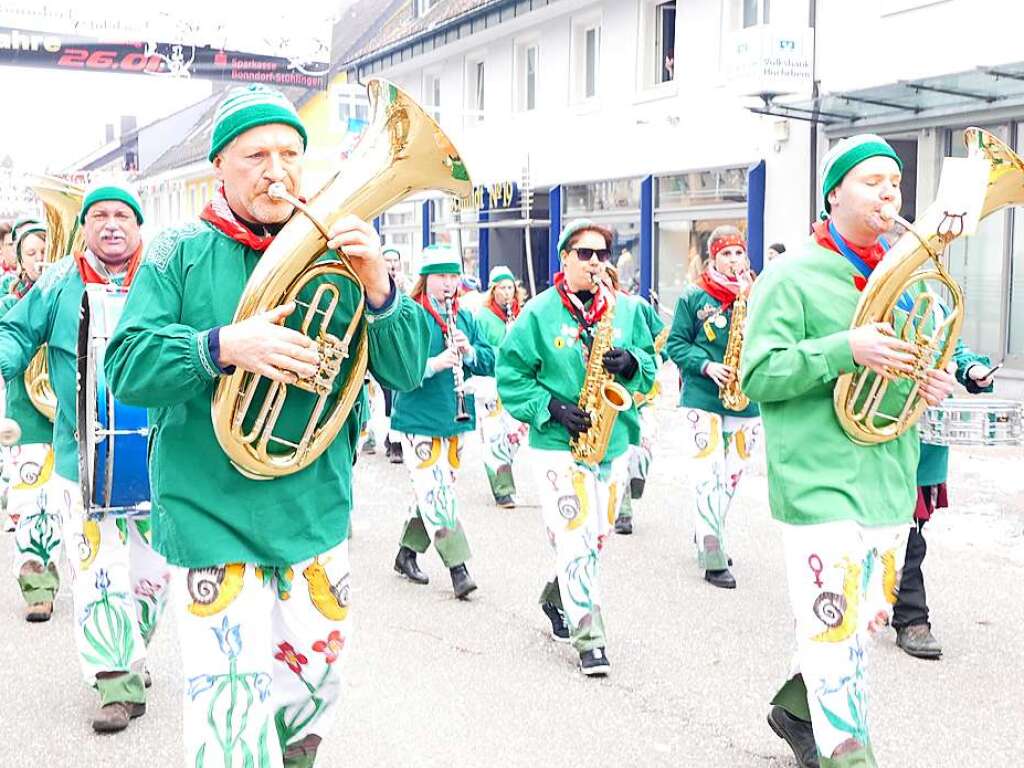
(580, 91)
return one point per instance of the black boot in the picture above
(636, 487)
(394, 451)
(797, 733)
(722, 579)
(406, 565)
(462, 582)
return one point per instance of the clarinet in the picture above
(460, 389)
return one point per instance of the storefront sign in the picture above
(771, 60)
(502, 195)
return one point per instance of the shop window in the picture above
(527, 75)
(586, 58)
(475, 81)
(657, 43)
(716, 186)
(678, 248)
(610, 195)
(978, 264)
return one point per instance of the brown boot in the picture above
(38, 612)
(114, 717)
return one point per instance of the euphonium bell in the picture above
(62, 202)
(932, 322)
(403, 151)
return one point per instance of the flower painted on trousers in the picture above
(290, 657)
(102, 580)
(331, 648)
(229, 638)
(147, 588)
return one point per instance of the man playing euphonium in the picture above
(261, 570)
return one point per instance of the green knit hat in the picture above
(248, 107)
(440, 259)
(500, 273)
(848, 153)
(111, 191)
(19, 223)
(576, 226)
(27, 228)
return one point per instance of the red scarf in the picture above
(428, 305)
(218, 213)
(723, 294)
(585, 317)
(870, 255)
(91, 277)
(499, 310)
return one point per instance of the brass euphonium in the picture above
(62, 202)
(858, 396)
(402, 151)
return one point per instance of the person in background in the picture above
(774, 251)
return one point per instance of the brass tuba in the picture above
(62, 202)
(403, 151)
(858, 396)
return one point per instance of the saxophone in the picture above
(601, 396)
(731, 395)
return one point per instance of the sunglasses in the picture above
(585, 254)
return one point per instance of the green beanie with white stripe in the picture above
(249, 107)
(846, 154)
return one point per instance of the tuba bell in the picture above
(403, 151)
(915, 258)
(62, 202)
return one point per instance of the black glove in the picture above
(570, 416)
(619, 362)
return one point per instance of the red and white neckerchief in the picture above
(870, 255)
(90, 276)
(218, 213)
(499, 310)
(428, 305)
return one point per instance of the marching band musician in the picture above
(426, 416)
(541, 372)
(910, 615)
(501, 434)
(719, 440)
(30, 460)
(120, 583)
(261, 587)
(844, 539)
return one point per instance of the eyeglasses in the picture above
(585, 254)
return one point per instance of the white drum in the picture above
(974, 421)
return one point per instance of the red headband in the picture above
(726, 241)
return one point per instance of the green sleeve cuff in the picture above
(202, 362)
(838, 355)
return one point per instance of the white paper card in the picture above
(962, 188)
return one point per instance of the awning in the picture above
(986, 87)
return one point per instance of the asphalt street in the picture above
(436, 682)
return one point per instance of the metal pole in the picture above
(527, 194)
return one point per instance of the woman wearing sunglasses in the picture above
(541, 370)
(719, 440)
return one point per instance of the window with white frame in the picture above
(432, 94)
(658, 43)
(423, 7)
(527, 75)
(475, 81)
(351, 106)
(754, 12)
(586, 58)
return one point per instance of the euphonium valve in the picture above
(402, 151)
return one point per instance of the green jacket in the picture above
(796, 346)
(430, 408)
(541, 358)
(205, 512)
(35, 428)
(693, 341)
(48, 314)
(933, 466)
(491, 326)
